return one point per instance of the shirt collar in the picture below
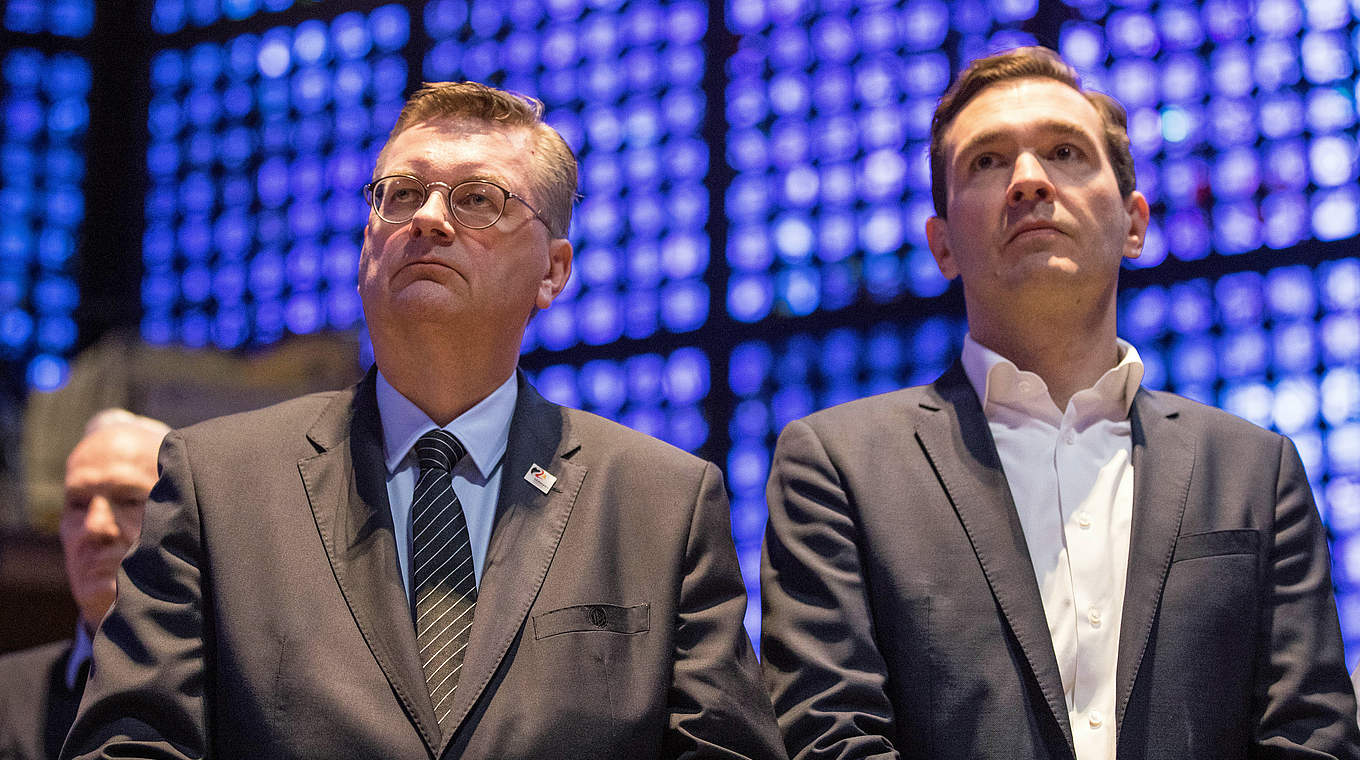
(997, 380)
(484, 430)
(81, 650)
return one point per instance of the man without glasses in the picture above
(436, 562)
(109, 474)
(1034, 557)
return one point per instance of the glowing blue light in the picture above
(1290, 292)
(1237, 227)
(1336, 213)
(750, 296)
(835, 236)
(1230, 69)
(799, 290)
(1083, 45)
(1176, 124)
(881, 230)
(1180, 27)
(1294, 346)
(1132, 34)
(1277, 64)
(603, 387)
(47, 373)
(350, 36)
(1325, 57)
(1332, 160)
(443, 18)
(390, 25)
(1193, 360)
(1190, 310)
(684, 305)
(600, 317)
(274, 56)
(833, 39)
(883, 277)
(16, 328)
(1340, 334)
(1340, 396)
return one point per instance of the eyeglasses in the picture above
(474, 203)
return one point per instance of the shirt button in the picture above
(1070, 439)
(1095, 719)
(1093, 616)
(1084, 519)
(1024, 386)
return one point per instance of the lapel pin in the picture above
(540, 478)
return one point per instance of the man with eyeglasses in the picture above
(436, 562)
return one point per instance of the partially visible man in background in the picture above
(108, 478)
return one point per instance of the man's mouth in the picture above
(1034, 228)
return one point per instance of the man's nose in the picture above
(1029, 181)
(100, 518)
(432, 219)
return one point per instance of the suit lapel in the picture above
(959, 445)
(346, 485)
(528, 528)
(1163, 460)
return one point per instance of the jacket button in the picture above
(597, 617)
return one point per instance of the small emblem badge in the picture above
(540, 478)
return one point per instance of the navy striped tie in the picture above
(441, 570)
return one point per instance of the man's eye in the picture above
(473, 200)
(985, 161)
(1065, 153)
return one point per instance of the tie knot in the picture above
(438, 450)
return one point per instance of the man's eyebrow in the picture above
(1054, 126)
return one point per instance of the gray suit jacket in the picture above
(262, 616)
(36, 706)
(903, 618)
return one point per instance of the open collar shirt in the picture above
(1070, 473)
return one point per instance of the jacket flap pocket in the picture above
(1216, 543)
(593, 617)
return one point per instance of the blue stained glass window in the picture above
(259, 139)
(46, 118)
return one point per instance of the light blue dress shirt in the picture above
(484, 431)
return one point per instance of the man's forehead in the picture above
(121, 443)
(487, 148)
(1000, 110)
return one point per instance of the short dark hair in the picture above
(555, 185)
(1025, 63)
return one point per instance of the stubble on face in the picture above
(1034, 206)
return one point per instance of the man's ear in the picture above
(559, 271)
(937, 236)
(1137, 207)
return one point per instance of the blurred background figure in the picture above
(109, 475)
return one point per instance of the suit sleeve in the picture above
(717, 705)
(1307, 705)
(144, 698)
(820, 659)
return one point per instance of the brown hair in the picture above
(555, 185)
(1025, 63)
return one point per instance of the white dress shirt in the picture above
(484, 430)
(1071, 476)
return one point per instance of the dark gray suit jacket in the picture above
(262, 615)
(903, 618)
(36, 706)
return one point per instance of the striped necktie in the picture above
(441, 570)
